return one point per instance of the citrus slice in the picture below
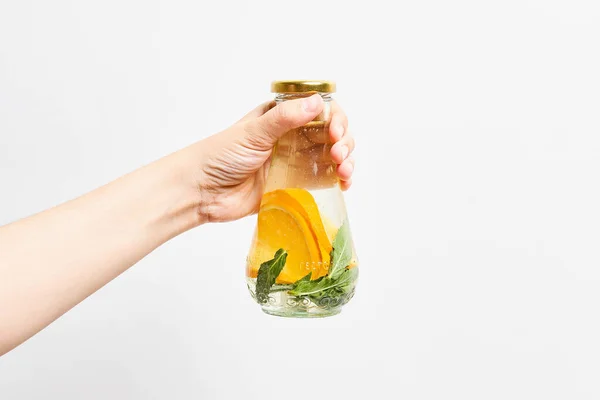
(289, 219)
(304, 203)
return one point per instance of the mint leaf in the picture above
(267, 274)
(335, 288)
(341, 254)
(325, 284)
(338, 293)
(304, 279)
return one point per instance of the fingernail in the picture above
(311, 103)
(344, 152)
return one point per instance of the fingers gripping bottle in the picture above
(302, 261)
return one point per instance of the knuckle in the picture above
(351, 141)
(344, 118)
(280, 112)
(339, 112)
(255, 132)
(281, 116)
(251, 128)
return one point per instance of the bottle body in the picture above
(302, 261)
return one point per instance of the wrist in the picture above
(187, 180)
(174, 194)
(195, 165)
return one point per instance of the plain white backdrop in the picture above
(475, 209)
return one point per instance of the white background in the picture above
(475, 210)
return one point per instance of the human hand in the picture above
(235, 162)
(106, 231)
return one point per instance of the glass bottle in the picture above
(302, 261)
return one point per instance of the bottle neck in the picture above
(302, 157)
(281, 97)
(323, 118)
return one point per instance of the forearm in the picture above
(53, 260)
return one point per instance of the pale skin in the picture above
(53, 260)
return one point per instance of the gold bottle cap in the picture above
(303, 86)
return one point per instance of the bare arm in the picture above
(51, 261)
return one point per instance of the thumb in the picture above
(269, 127)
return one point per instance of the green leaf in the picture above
(304, 279)
(324, 285)
(339, 293)
(341, 255)
(267, 274)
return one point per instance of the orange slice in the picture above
(304, 202)
(289, 219)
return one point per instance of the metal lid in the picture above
(302, 86)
